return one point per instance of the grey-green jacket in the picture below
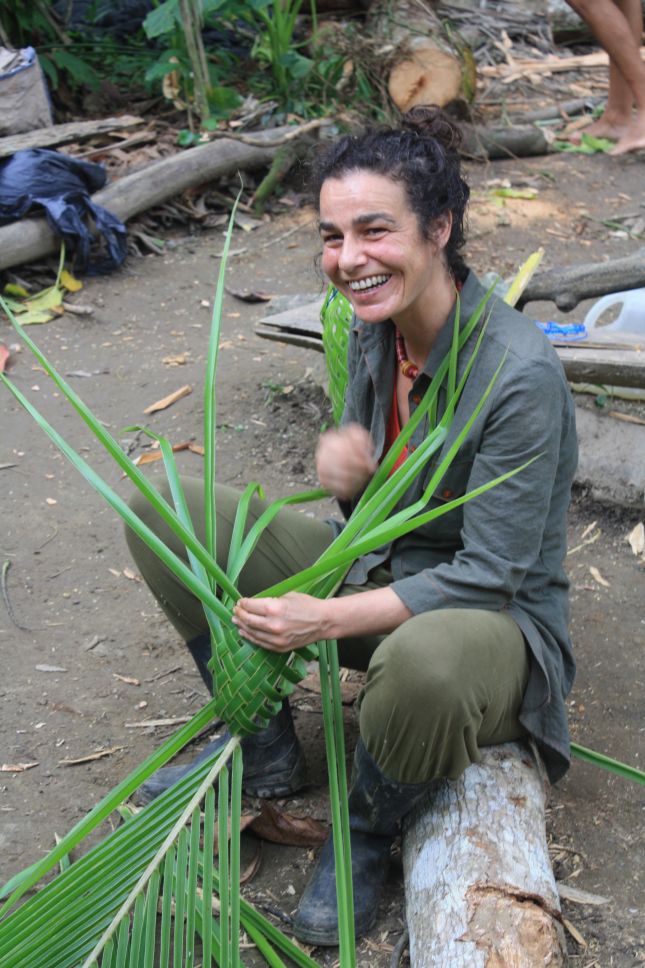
(506, 548)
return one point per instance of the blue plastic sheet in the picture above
(40, 178)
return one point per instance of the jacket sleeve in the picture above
(503, 529)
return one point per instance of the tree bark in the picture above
(480, 892)
(31, 238)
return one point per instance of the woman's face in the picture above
(374, 251)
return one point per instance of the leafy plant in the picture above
(198, 81)
(276, 45)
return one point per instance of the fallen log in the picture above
(64, 134)
(569, 286)
(31, 238)
(513, 141)
(478, 881)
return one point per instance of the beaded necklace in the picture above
(407, 367)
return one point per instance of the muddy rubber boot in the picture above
(376, 805)
(274, 763)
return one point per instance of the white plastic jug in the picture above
(631, 317)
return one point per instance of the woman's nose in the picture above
(351, 256)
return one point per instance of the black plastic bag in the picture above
(62, 185)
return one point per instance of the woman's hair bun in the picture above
(429, 121)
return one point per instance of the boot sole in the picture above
(330, 939)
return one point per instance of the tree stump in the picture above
(480, 892)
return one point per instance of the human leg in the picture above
(273, 759)
(438, 688)
(618, 27)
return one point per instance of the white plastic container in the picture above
(631, 317)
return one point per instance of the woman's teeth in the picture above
(359, 285)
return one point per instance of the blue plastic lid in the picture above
(563, 331)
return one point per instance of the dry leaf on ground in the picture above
(598, 577)
(152, 455)
(283, 828)
(636, 539)
(169, 400)
(16, 767)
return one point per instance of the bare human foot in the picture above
(633, 139)
(603, 127)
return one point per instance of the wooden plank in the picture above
(619, 364)
(62, 134)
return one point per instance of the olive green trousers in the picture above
(438, 688)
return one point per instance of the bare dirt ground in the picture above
(78, 608)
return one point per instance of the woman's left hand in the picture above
(282, 624)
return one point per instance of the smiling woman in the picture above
(460, 624)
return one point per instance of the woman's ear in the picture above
(441, 229)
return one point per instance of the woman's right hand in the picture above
(345, 460)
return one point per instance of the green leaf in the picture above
(79, 70)
(163, 20)
(186, 138)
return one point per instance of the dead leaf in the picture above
(246, 821)
(49, 668)
(179, 360)
(575, 934)
(155, 454)
(113, 571)
(636, 539)
(131, 575)
(598, 577)
(250, 295)
(283, 828)
(16, 767)
(4, 356)
(169, 400)
(131, 681)
(577, 896)
(70, 282)
(196, 449)
(253, 866)
(98, 755)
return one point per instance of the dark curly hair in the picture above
(423, 155)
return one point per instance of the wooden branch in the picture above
(569, 286)
(508, 73)
(31, 238)
(63, 134)
(478, 881)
